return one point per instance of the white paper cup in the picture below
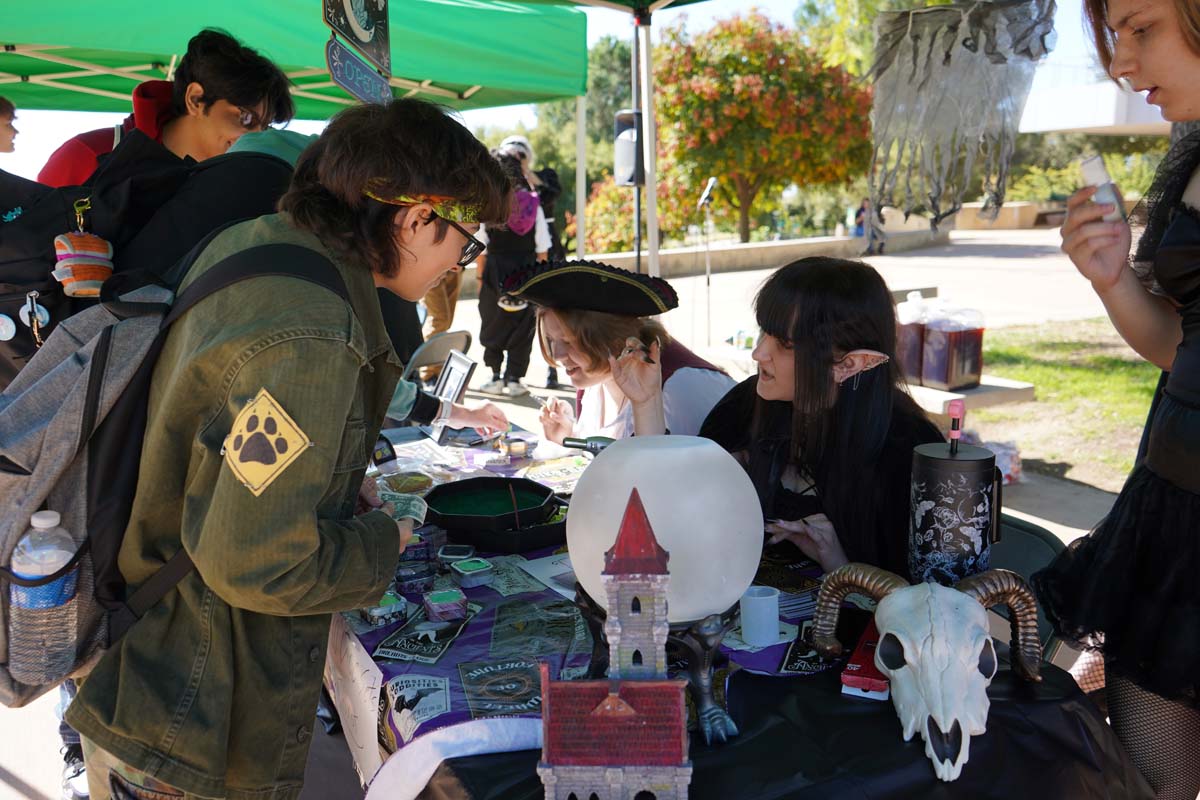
(760, 616)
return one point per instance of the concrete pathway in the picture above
(1014, 277)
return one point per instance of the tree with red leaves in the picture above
(748, 103)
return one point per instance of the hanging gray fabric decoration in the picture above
(950, 84)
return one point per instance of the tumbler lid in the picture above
(940, 451)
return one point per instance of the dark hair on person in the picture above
(7, 109)
(407, 147)
(823, 308)
(1096, 13)
(230, 71)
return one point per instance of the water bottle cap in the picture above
(45, 519)
(1094, 171)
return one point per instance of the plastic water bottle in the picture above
(43, 618)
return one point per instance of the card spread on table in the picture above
(555, 572)
(510, 578)
(533, 628)
(781, 571)
(794, 606)
(800, 658)
(413, 699)
(422, 640)
(502, 688)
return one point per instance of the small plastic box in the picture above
(417, 550)
(450, 553)
(434, 535)
(473, 572)
(445, 605)
(415, 577)
(392, 608)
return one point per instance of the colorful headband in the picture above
(444, 206)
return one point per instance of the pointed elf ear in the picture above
(857, 361)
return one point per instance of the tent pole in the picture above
(636, 95)
(580, 174)
(649, 144)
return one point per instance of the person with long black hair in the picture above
(826, 428)
(1128, 589)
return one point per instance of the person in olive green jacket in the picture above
(264, 407)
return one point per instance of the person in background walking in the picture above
(507, 322)
(548, 187)
(862, 217)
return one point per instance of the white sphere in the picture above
(701, 505)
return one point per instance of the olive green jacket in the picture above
(214, 690)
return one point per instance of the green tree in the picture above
(608, 91)
(553, 139)
(844, 30)
(748, 102)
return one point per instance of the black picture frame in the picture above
(452, 383)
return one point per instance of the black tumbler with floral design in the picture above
(954, 513)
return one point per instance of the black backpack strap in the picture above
(255, 262)
(302, 262)
(146, 596)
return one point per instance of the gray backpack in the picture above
(71, 428)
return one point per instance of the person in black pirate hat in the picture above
(597, 323)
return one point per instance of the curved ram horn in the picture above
(1003, 587)
(872, 581)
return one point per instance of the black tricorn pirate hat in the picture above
(592, 286)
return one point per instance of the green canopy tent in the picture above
(465, 53)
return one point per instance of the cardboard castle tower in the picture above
(624, 738)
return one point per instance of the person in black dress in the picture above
(826, 428)
(1129, 588)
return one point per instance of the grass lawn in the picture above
(1093, 393)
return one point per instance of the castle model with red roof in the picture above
(624, 738)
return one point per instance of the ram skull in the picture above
(936, 650)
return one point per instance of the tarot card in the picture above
(502, 688)
(421, 640)
(413, 699)
(786, 574)
(531, 628)
(510, 579)
(801, 658)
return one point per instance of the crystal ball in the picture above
(701, 505)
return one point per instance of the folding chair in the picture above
(1025, 548)
(434, 351)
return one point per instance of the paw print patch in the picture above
(263, 443)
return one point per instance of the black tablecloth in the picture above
(802, 739)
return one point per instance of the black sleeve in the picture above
(728, 424)
(425, 408)
(232, 187)
(402, 323)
